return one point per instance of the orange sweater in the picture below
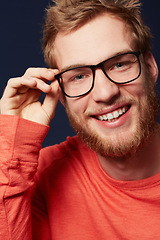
(73, 198)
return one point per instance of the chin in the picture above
(119, 145)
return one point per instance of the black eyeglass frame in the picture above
(93, 68)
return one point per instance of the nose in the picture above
(104, 90)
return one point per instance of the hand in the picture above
(21, 95)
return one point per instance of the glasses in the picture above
(120, 69)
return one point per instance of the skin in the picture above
(21, 96)
(94, 42)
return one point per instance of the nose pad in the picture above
(104, 89)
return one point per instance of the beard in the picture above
(123, 147)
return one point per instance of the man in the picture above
(103, 183)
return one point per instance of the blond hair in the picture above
(69, 15)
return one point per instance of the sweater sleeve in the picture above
(20, 143)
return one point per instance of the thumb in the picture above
(51, 100)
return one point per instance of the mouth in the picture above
(114, 115)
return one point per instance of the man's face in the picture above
(129, 107)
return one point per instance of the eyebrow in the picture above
(73, 66)
(81, 65)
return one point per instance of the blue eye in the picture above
(119, 65)
(122, 66)
(79, 77)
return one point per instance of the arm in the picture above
(20, 142)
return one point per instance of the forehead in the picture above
(99, 39)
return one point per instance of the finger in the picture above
(51, 99)
(21, 85)
(30, 80)
(41, 73)
(18, 83)
(22, 100)
(39, 85)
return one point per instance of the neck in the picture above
(143, 164)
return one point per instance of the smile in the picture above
(113, 115)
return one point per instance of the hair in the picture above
(69, 15)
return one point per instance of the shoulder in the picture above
(63, 164)
(56, 155)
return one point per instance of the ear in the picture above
(152, 66)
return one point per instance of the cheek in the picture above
(136, 89)
(138, 92)
(77, 106)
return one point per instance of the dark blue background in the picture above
(20, 48)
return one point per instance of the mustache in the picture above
(123, 101)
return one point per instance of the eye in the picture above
(79, 77)
(121, 65)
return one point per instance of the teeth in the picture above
(114, 115)
(110, 116)
(105, 117)
(101, 118)
(120, 112)
(123, 109)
